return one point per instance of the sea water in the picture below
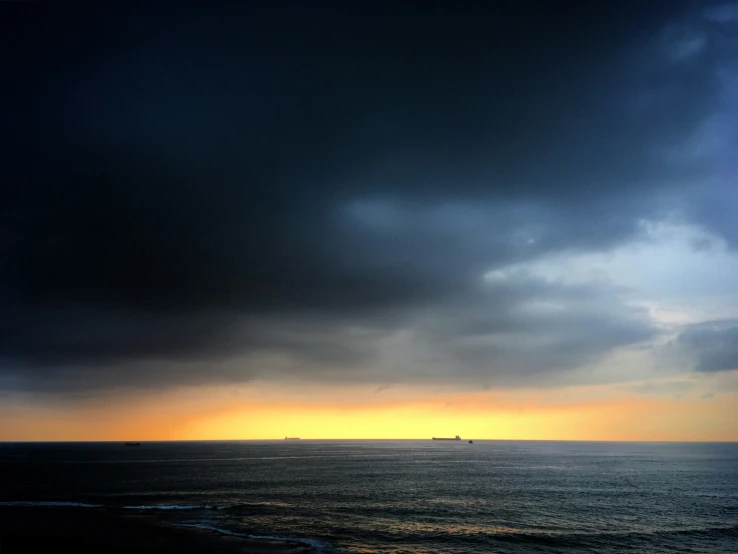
(404, 496)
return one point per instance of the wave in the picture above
(52, 504)
(565, 539)
(64, 504)
(637, 540)
(211, 528)
(314, 544)
(601, 540)
(677, 539)
(174, 507)
(240, 507)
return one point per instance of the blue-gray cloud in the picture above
(713, 344)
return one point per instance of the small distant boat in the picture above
(456, 438)
(471, 442)
(133, 444)
(292, 438)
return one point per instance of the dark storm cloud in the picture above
(300, 183)
(512, 330)
(713, 345)
(714, 202)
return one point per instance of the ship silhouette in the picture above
(456, 438)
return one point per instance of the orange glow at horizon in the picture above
(471, 415)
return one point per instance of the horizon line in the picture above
(369, 439)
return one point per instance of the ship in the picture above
(456, 438)
(133, 444)
(292, 438)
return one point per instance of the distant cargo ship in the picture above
(292, 438)
(133, 444)
(456, 438)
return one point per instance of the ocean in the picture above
(405, 496)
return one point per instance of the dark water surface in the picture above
(407, 496)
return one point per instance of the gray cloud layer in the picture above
(292, 190)
(714, 344)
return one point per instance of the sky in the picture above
(369, 220)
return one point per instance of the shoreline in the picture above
(99, 530)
